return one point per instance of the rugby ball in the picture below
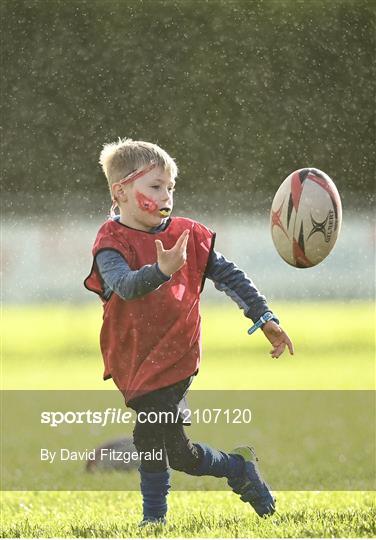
(306, 217)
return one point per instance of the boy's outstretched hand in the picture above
(171, 260)
(278, 338)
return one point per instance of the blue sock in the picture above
(219, 464)
(154, 488)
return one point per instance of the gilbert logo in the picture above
(325, 227)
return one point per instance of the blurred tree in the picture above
(240, 92)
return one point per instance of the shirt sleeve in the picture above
(127, 283)
(227, 277)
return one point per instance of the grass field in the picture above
(56, 347)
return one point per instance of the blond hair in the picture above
(118, 159)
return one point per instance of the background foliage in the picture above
(240, 92)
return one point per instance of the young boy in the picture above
(149, 270)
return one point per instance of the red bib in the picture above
(155, 340)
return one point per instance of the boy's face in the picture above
(145, 202)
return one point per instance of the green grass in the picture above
(56, 347)
(109, 514)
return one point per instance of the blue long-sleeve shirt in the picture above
(227, 277)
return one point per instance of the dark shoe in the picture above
(152, 521)
(250, 485)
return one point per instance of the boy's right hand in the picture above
(171, 260)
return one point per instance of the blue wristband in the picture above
(268, 316)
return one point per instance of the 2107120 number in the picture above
(214, 416)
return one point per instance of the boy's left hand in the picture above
(278, 338)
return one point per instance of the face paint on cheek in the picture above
(146, 204)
